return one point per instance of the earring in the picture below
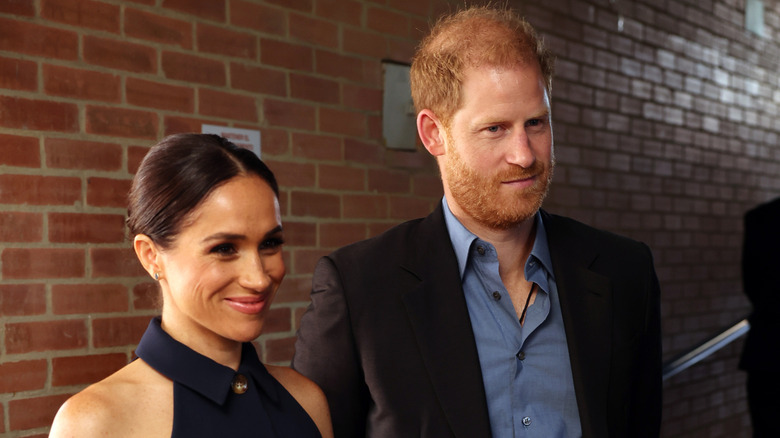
(157, 276)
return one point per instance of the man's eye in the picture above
(223, 249)
(494, 128)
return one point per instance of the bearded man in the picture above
(489, 317)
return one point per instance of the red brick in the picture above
(258, 17)
(293, 174)
(335, 235)
(288, 114)
(363, 152)
(314, 89)
(286, 55)
(362, 98)
(32, 413)
(153, 27)
(63, 153)
(121, 122)
(115, 262)
(345, 11)
(18, 74)
(304, 260)
(135, 154)
(146, 296)
(38, 115)
(419, 159)
(36, 40)
(26, 375)
(365, 207)
(26, 337)
(315, 204)
(318, 147)
(300, 233)
(225, 42)
(388, 181)
(275, 141)
(405, 208)
(341, 177)
(388, 22)
(175, 125)
(279, 350)
(417, 7)
(212, 9)
(427, 185)
(258, 79)
(228, 105)
(120, 55)
(365, 43)
(314, 31)
(298, 5)
(21, 263)
(401, 50)
(114, 332)
(21, 227)
(19, 151)
(337, 121)
(39, 190)
(106, 192)
(81, 84)
(17, 7)
(339, 66)
(22, 299)
(160, 96)
(81, 370)
(277, 320)
(294, 290)
(191, 68)
(86, 228)
(88, 298)
(82, 13)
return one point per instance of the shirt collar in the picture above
(187, 367)
(462, 240)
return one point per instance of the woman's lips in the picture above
(247, 304)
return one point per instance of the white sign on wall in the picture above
(245, 138)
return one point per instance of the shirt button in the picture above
(481, 250)
(239, 384)
(496, 295)
(521, 356)
(526, 421)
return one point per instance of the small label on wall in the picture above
(246, 138)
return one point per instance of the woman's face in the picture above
(220, 275)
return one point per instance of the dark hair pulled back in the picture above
(177, 174)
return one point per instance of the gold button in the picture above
(239, 384)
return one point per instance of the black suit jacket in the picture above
(761, 282)
(389, 340)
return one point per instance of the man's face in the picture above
(498, 160)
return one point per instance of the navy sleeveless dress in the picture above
(212, 400)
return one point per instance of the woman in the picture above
(207, 226)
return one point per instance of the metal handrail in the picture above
(705, 348)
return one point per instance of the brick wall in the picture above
(665, 130)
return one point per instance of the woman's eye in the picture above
(223, 249)
(272, 243)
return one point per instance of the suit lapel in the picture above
(586, 298)
(439, 317)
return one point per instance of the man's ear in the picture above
(431, 132)
(148, 254)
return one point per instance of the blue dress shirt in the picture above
(525, 368)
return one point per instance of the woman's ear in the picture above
(431, 132)
(148, 254)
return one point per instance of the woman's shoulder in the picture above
(115, 404)
(307, 394)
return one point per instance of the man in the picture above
(760, 357)
(490, 317)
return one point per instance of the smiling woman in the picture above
(206, 223)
